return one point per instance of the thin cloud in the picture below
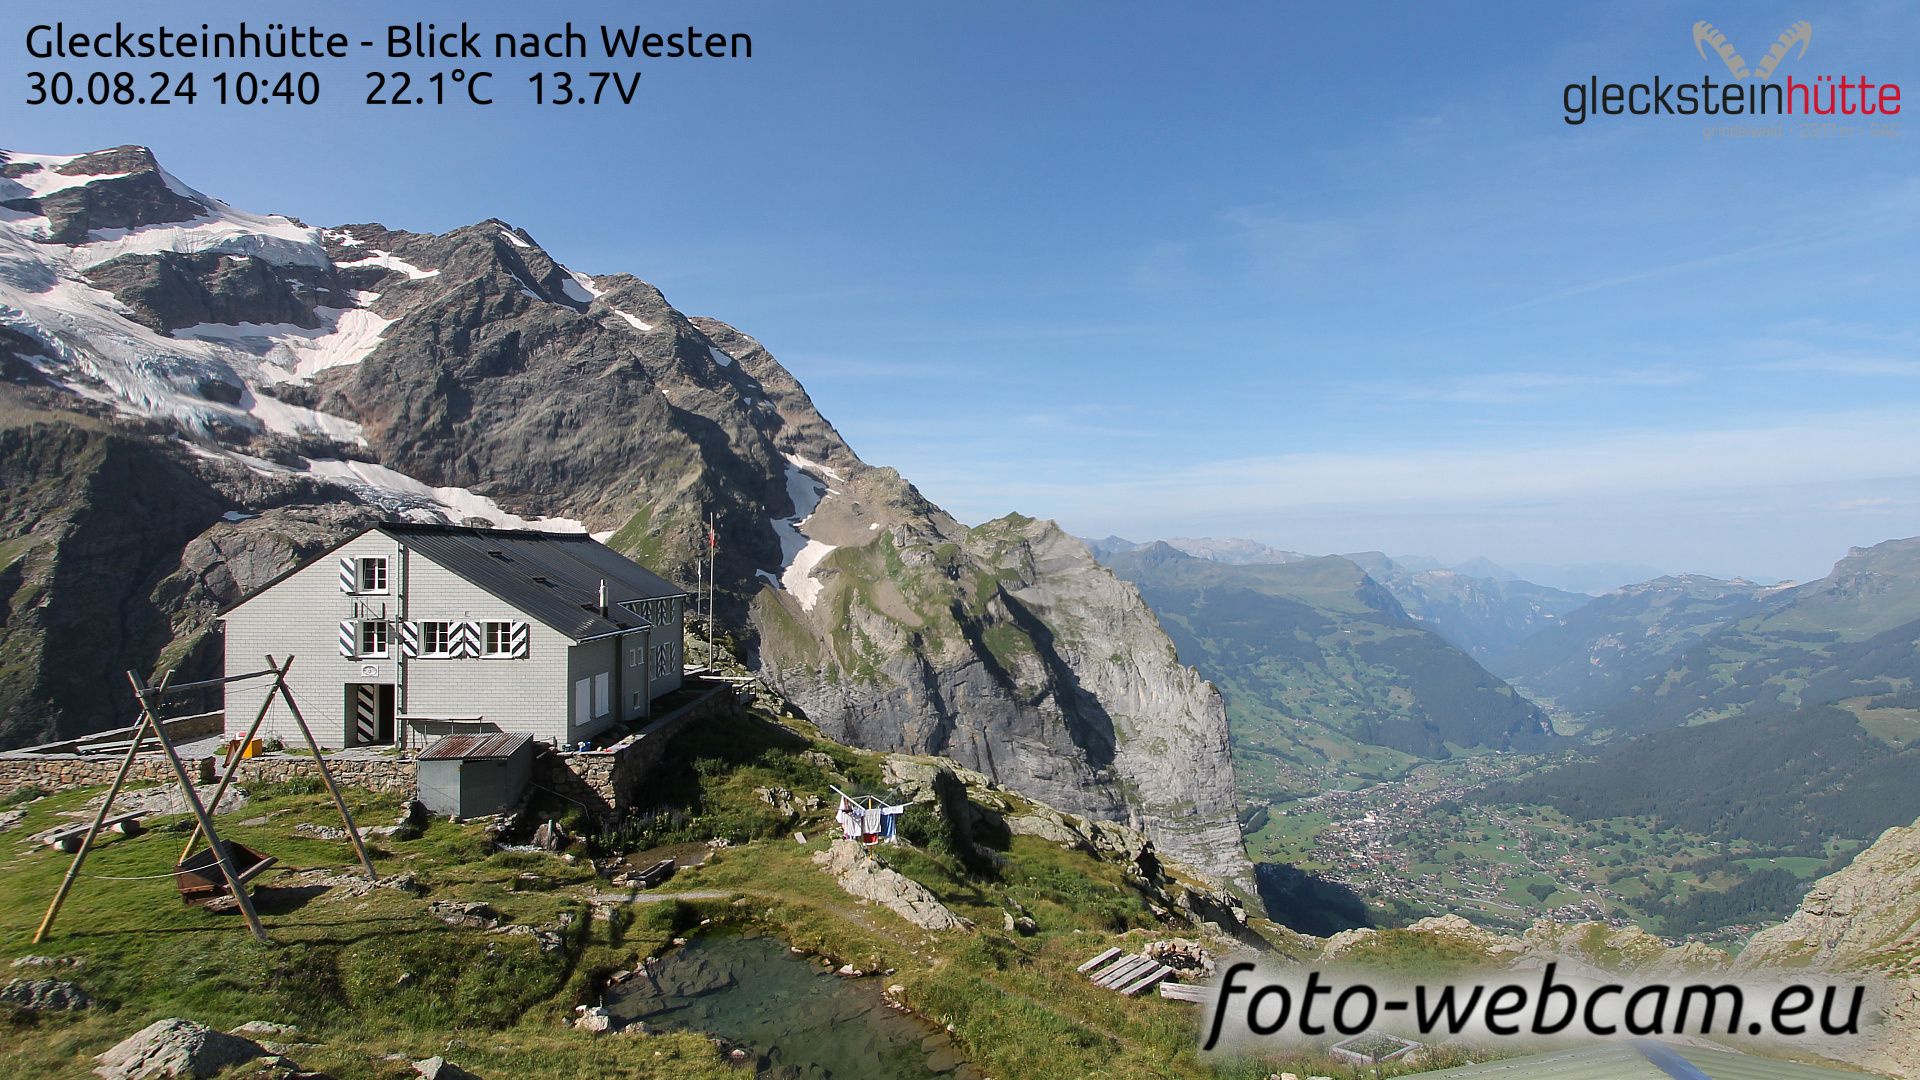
(1853, 367)
(1520, 387)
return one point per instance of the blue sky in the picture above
(1334, 277)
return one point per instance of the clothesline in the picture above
(867, 819)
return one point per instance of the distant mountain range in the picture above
(1678, 651)
(1322, 668)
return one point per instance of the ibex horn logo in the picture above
(1705, 34)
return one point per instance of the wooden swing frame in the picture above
(149, 698)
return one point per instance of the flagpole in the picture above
(713, 566)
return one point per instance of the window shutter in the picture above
(349, 639)
(349, 577)
(409, 639)
(520, 641)
(466, 640)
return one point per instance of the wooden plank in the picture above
(58, 837)
(1184, 992)
(1098, 960)
(1117, 976)
(1118, 969)
(1160, 971)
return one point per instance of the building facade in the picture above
(408, 630)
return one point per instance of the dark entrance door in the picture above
(371, 707)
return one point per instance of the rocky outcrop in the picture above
(175, 1048)
(977, 806)
(1008, 649)
(1864, 918)
(864, 878)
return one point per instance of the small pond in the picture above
(800, 1021)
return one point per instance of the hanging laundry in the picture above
(867, 819)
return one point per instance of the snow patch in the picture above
(634, 321)
(390, 261)
(277, 415)
(45, 181)
(391, 488)
(299, 352)
(799, 554)
(720, 357)
(220, 230)
(509, 237)
(816, 468)
(580, 288)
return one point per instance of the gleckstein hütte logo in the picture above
(1705, 34)
(1752, 91)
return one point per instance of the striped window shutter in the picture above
(519, 641)
(410, 638)
(349, 639)
(466, 640)
(349, 577)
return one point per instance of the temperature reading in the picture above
(396, 88)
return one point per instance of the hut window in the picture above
(373, 638)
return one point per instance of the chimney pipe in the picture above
(603, 598)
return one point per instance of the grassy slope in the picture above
(377, 975)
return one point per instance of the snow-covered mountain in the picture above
(196, 396)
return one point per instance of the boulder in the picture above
(439, 1068)
(174, 1048)
(43, 995)
(862, 876)
(465, 915)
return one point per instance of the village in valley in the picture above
(1425, 845)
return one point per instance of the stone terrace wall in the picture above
(606, 782)
(389, 776)
(612, 780)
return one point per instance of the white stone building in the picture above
(407, 631)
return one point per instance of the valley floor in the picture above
(1424, 845)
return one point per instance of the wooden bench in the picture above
(1185, 992)
(69, 838)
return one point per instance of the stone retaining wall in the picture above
(389, 776)
(605, 782)
(610, 781)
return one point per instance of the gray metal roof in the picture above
(552, 577)
(1621, 1061)
(475, 747)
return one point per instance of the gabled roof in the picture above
(552, 577)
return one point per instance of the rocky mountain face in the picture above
(281, 385)
(1322, 669)
(1862, 919)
